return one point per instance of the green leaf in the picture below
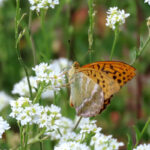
(138, 134)
(130, 143)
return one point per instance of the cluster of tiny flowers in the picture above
(72, 141)
(51, 74)
(27, 113)
(143, 147)
(115, 17)
(4, 100)
(101, 141)
(72, 146)
(1, 2)
(147, 1)
(21, 88)
(3, 126)
(42, 4)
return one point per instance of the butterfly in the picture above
(93, 85)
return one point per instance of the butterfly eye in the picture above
(76, 64)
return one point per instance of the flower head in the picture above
(4, 100)
(142, 147)
(147, 1)
(72, 146)
(3, 126)
(22, 87)
(116, 17)
(42, 4)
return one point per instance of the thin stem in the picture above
(59, 132)
(26, 136)
(31, 38)
(144, 46)
(38, 95)
(115, 41)
(21, 135)
(77, 124)
(91, 27)
(143, 130)
(17, 50)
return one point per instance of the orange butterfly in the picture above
(93, 85)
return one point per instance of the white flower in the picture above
(72, 146)
(147, 1)
(51, 75)
(116, 17)
(4, 100)
(3, 126)
(143, 147)
(22, 87)
(27, 113)
(65, 127)
(42, 4)
(101, 141)
(1, 2)
(57, 66)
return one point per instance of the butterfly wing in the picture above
(119, 71)
(110, 75)
(86, 96)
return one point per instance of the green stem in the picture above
(77, 124)
(31, 38)
(143, 130)
(115, 41)
(37, 138)
(144, 46)
(38, 95)
(26, 136)
(91, 27)
(21, 136)
(17, 50)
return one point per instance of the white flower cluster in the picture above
(1, 2)
(72, 146)
(73, 141)
(115, 17)
(42, 4)
(4, 100)
(3, 126)
(143, 147)
(147, 1)
(21, 88)
(51, 74)
(27, 113)
(101, 141)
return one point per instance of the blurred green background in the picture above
(65, 34)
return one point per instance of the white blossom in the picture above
(42, 4)
(4, 100)
(72, 146)
(22, 87)
(101, 141)
(27, 113)
(142, 147)
(147, 1)
(115, 17)
(1, 2)
(3, 126)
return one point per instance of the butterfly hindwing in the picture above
(86, 96)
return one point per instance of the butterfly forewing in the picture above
(119, 71)
(86, 96)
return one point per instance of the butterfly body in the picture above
(93, 85)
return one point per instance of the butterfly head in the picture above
(76, 65)
(73, 69)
